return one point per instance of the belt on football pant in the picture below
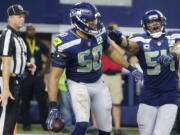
(14, 75)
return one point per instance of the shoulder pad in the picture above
(140, 38)
(60, 38)
(63, 34)
(174, 34)
(137, 35)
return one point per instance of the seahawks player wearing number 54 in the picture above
(158, 52)
(79, 50)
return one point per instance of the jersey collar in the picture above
(13, 30)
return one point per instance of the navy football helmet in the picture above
(155, 30)
(82, 12)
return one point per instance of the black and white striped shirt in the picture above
(12, 45)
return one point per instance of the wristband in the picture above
(53, 105)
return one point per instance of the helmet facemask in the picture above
(154, 23)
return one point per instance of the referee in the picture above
(12, 64)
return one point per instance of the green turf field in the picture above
(37, 130)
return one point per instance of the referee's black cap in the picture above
(16, 10)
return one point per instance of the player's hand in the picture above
(165, 59)
(116, 36)
(4, 96)
(138, 76)
(31, 67)
(53, 115)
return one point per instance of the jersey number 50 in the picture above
(87, 65)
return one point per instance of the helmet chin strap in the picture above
(90, 32)
(97, 33)
(156, 35)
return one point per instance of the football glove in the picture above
(53, 115)
(138, 76)
(116, 36)
(167, 59)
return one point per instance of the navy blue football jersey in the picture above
(160, 81)
(84, 55)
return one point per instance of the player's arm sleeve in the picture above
(106, 42)
(175, 35)
(177, 40)
(59, 60)
(175, 48)
(6, 44)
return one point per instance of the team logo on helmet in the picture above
(82, 12)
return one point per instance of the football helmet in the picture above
(81, 13)
(155, 30)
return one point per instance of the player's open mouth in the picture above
(156, 28)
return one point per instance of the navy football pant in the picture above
(34, 86)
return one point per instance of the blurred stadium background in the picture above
(52, 16)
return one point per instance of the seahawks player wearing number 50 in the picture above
(79, 50)
(158, 52)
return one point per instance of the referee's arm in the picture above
(5, 76)
(6, 47)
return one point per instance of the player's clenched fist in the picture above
(167, 59)
(54, 121)
(138, 76)
(116, 36)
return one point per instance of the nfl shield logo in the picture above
(159, 43)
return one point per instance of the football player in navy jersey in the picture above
(79, 50)
(158, 52)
